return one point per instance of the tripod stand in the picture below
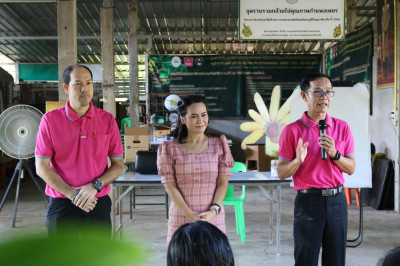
(21, 166)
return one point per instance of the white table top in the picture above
(245, 178)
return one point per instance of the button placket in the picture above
(197, 168)
(83, 131)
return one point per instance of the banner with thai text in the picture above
(291, 20)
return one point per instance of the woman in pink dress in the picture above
(194, 168)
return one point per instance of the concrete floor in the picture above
(381, 228)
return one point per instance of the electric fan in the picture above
(19, 125)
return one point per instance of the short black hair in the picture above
(305, 81)
(199, 243)
(68, 70)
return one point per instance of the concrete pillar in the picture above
(133, 65)
(351, 18)
(107, 54)
(67, 40)
(323, 57)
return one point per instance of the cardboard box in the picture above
(255, 158)
(136, 139)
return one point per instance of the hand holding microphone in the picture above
(326, 143)
(322, 130)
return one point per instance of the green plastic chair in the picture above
(238, 202)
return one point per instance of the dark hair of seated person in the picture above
(199, 244)
(392, 258)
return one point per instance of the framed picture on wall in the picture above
(385, 43)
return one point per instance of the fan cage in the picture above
(19, 125)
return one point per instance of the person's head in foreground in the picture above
(392, 258)
(199, 244)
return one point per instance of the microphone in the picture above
(322, 130)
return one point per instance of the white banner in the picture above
(291, 19)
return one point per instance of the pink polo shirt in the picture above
(78, 146)
(315, 172)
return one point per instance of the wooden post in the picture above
(133, 65)
(67, 40)
(107, 54)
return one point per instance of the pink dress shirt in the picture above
(195, 176)
(78, 146)
(315, 172)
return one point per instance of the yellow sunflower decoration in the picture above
(267, 123)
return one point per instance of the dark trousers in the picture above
(62, 214)
(320, 220)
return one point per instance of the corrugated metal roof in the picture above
(28, 31)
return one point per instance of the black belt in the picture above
(326, 192)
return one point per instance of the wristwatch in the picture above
(216, 207)
(337, 156)
(97, 185)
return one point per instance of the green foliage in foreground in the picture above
(68, 248)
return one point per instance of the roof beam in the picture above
(197, 36)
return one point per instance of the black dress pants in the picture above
(62, 214)
(320, 220)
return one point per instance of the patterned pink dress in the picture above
(195, 176)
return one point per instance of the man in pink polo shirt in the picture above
(72, 147)
(320, 212)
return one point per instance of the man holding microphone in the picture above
(316, 150)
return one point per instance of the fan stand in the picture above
(21, 166)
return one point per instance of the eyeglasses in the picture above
(321, 94)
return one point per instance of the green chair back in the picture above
(126, 120)
(238, 167)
